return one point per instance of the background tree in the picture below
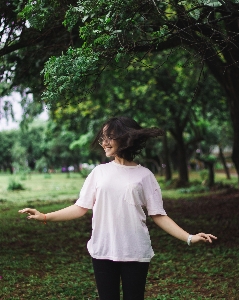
(208, 30)
(7, 140)
(32, 140)
(119, 34)
(161, 97)
(24, 49)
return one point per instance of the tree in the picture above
(24, 49)
(120, 33)
(32, 139)
(154, 97)
(7, 140)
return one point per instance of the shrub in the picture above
(194, 189)
(85, 172)
(15, 185)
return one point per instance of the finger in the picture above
(23, 210)
(209, 239)
(27, 211)
(213, 236)
(207, 235)
(203, 237)
(32, 217)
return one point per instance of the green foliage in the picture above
(64, 72)
(204, 175)
(109, 30)
(123, 36)
(7, 140)
(15, 185)
(6, 109)
(38, 13)
(194, 189)
(41, 149)
(85, 172)
(41, 164)
(25, 49)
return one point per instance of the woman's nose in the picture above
(106, 141)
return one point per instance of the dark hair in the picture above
(131, 137)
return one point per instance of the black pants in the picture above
(108, 274)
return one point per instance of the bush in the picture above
(85, 172)
(194, 189)
(204, 177)
(15, 186)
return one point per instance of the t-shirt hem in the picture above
(78, 203)
(153, 213)
(122, 259)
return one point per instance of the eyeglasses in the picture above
(107, 139)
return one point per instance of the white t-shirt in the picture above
(117, 193)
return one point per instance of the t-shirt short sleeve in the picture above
(153, 196)
(88, 192)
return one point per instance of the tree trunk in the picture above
(226, 169)
(211, 175)
(168, 172)
(182, 158)
(210, 166)
(232, 89)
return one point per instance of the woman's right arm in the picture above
(69, 213)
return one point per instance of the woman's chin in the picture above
(109, 154)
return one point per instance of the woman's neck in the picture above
(122, 161)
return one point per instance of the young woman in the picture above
(117, 191)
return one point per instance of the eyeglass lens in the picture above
(107, 139)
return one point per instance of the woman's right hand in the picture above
(33, 214)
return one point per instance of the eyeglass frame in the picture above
(102, 139)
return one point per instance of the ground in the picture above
(51, 261)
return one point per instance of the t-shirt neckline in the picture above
(124, 166)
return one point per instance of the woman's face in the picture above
(109, 144)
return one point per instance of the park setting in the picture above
(130, 90)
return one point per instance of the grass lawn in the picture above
(40, 187)
(51, 261)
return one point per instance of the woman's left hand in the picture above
(202, 237)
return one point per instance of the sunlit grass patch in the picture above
(37, 187)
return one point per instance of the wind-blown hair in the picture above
(131, 137)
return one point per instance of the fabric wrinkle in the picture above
(119, 230)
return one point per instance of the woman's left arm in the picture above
(169, 226)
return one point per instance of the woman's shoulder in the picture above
(145, 170)
(102, 166)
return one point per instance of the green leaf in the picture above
(212, 3)
(195, 14)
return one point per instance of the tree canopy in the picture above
(24, 48)
(121, 34)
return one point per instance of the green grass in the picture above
(45, 187)
(40, 187)
(51, 261)
(195, 180)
